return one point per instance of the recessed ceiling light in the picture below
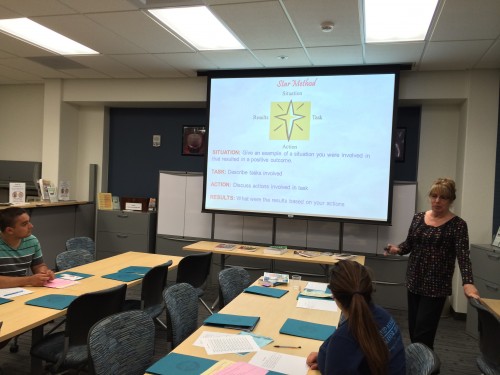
(397, 20)
(197, 26)
(41, 36)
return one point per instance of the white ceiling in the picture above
(465, 34)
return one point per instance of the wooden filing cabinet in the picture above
(122, 231)
(486, 270)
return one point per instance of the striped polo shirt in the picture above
(17, 262)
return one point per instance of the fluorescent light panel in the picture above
(34, 33)
(397, 20)
(197, 26)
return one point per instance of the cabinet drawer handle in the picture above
(122, 216)
(493, 257)
(385, 283)
(491, 287)
(121, 236)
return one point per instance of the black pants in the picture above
(423, 317)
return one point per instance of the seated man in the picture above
(20, 251)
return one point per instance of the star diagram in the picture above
(292, 122)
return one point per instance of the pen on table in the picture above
(287, 346)
(11, 294)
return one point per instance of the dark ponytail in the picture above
(351, 286)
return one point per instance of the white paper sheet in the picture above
(206, 334)
(230, 344)
(316, 286)
(317, 304)
(284, 363)
(13, 292)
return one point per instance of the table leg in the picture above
(36, 363)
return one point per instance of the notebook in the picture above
(241, 322)
(180, 364)
(123, 276)
(308, 330)
(4, 300)
(263, 291)
(135, 269)
(52, 301)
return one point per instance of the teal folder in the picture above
(269, 292)
(180, 364)
(308, 330)
(52, 301)
(135, 269)
(4, 300)
(123, 276)
(241, 322)
(79, 274)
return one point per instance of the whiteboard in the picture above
(180, 197)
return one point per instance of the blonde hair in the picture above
(444, 187)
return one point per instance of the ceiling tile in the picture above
(31, 8)
(108, 66)
(141, 30)
(308, 19)
(468, 20)
(451, 56)
(148, 65)
(239, 59)
(341, 55)
(294, 57)
(491, 59)
(261, 25)
(393, 53)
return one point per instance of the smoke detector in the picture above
(327, 26)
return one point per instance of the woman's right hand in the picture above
(391, 250)
(312, 360)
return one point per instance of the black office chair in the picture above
(68, 349)
(194, 270)
(489, 339)
(232, 281)
(181, 303)
(122, 343)
(421, 360)
(151, 300)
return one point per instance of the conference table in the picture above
(273, 313)
(492, 304)
(18, 317)
(291, 255)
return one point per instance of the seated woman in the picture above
(368, 341)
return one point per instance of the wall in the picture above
(21, 121)
(466, 101)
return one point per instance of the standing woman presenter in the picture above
(435, 239)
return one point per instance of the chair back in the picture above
(489, 338)
(153, 283)
(421, 360)
(88, 309)
(194, 269)
(232, 281)
(181, 302)
(122, 343)
(73, 258)
(86, 243)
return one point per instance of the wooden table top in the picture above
(207, 246)
(492, 304)
(273, 313)
(18, 317)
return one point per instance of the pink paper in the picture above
(59, 283)
(242, 368)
